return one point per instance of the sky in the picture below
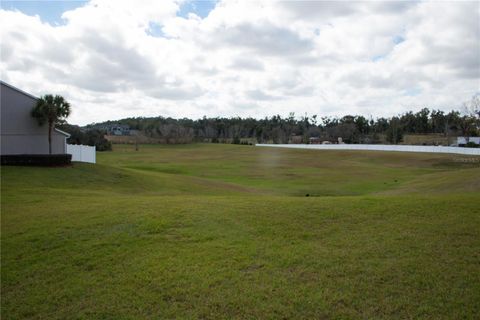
(113, 59)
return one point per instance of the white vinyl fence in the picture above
(463, 140)
(378, 147)
(82, 153)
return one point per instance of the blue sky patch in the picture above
(51, 11)
(48, 11)
(413, 92)
(378, 58)
(398, 39)
(155, 30)
(201, 8)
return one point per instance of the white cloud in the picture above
(247, 58)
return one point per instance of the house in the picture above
(20, 133)
(295, 139)
(315, 140)
(119, 130)
(113, 129)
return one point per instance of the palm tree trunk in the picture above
(50, 125)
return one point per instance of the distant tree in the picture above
(421, 121)
(468, 127)
(345, 130)
(51, 110)
(381, 125)
(470, 123)
(77, 135)
(472, 108)
(89, 137)
(97, 138)
(394, 132)
(452, 120)
(409, 122)
(437, 119)
(362, 126)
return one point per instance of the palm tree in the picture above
(51, 109)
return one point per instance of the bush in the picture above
(97, 138)
(92, 137)
(472, 144)
(44, 160)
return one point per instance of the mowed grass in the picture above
(223, 232)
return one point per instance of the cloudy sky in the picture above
(113, 59)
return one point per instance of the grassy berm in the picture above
(207, 231)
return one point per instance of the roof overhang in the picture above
(62, 132)
(18, 90)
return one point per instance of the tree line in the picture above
(277, 129)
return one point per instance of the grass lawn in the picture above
(207, 231)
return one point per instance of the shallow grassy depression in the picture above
(223, 232)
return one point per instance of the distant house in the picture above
(295, 139)
(113, 129)
(20, 133)
(315, 140)
(120, 130)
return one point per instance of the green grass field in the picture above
(227, 232)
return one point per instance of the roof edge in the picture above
(63, 132)
(31, 96)
(19, 90)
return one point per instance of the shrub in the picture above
(472, 144)
(92, 137)
(44, 160)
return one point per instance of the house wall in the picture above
(20, 133)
